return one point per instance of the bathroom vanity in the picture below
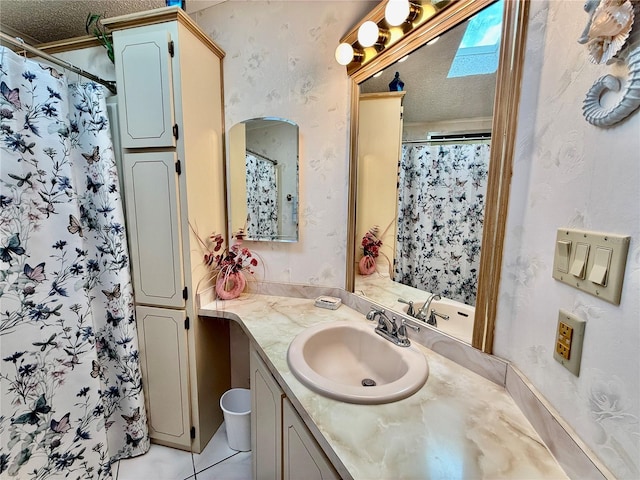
(458, 425)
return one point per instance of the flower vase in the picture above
(367, 265)
(230, 285)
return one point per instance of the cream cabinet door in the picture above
(379, 150)
(153, 222)
(145, 86)
(302, 456)
(165, 372)
(266, 422)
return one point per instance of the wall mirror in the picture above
(430, 165)
(263, 179)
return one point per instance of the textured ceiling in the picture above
(42, 21)
(431, 96)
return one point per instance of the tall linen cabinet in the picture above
(170, 103)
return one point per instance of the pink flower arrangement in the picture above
(371, 243)
(226, 261)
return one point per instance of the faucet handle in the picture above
(401, 334)
(415, 328)
(410, 310)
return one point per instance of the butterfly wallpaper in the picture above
(70, 380)
(440, 215)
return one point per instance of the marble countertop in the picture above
(459, 425)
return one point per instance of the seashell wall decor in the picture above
(612, 35)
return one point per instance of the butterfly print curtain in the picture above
(70, 382)
(262, 198)
(441, 199)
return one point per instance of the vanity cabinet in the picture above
(266, 421)
(170, 104)
(282, 446)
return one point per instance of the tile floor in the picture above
(217, 461)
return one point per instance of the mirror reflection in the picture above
(423, 161)
(263, 179)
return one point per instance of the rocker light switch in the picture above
(563, 255)
(579, 264)
(600, 268)
(593, 262)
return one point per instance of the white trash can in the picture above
(236, 407)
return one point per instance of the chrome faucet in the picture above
(389, 328)
(384, 323)
(424, 310)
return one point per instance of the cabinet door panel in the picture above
(266, 421)
(164, 359)
(153, 216)
(144, 79)
(302, 456)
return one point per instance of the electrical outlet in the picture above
(569, 337)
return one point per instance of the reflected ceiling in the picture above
(424, 101)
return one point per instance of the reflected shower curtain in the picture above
(262, 198)
(442, 191)
(70, 381)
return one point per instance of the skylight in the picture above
(480, 46)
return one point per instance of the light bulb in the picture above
(396, 12)
(344, 54)
(368, 33)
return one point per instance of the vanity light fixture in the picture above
(345, 54)
(369, 35)
(403, 59)
(398, 12)
(431, 42)
(383, 27)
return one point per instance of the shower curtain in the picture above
(441, 198)
(70, 381)
(262, 198)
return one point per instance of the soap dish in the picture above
(331, 303)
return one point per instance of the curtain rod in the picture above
(18, 42)
(275, 162)
(468, 137)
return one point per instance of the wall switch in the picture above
(569, 337)
(592, 262)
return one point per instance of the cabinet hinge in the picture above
(176, 133)
(178, 167)
(171, 48)
(185, 293)
(187, 323)
(193, 432)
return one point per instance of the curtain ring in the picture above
(24, 50)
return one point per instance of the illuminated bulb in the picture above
(396, 12)
(344, 54)
(376, 75)
(403, 59)
(368, 34)
(431, 42)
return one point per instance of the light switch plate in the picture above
(568, 343)
(606, 259)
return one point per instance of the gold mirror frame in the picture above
(505, 115)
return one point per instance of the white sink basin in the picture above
(336, 358)
(461, 318)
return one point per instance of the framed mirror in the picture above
(263, 179)
(430, 165)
